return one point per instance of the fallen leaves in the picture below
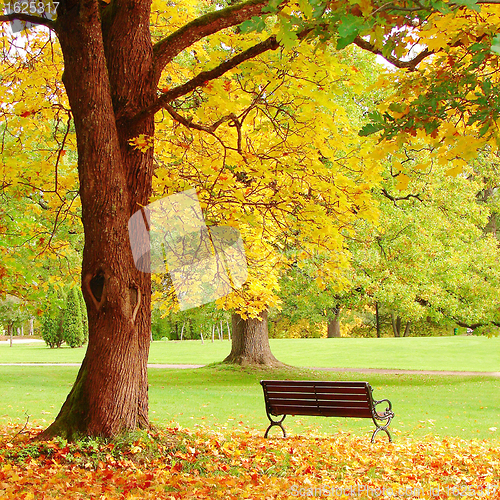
(174, 464)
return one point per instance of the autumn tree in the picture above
(119, 71)
(288, 170)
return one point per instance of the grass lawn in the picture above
(460, 353)
(228, 398)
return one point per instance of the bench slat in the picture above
(320, 396)
(323, 389)
(311, 386)
(340, 383)
(322, 404)
(323, 412)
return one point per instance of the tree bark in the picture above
(377, 319)
(396, 325)
(333, 329)
(407, 329)
(108, 79)
(250, 342)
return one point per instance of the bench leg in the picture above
(273, 423)
(382, 428)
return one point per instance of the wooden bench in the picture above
(327, 399)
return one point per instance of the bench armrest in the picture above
(388, 411)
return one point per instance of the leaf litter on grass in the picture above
(174, 463)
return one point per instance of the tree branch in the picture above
(394, 199)
(165, 50)
(426, 303)
(270, 44)
(206, 128)
(28, 19)
(411, 64)
(470, 325)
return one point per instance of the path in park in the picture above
(357, 370)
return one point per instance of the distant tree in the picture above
(72, 325)
(52, 328)
(83, 310)
(12, 313)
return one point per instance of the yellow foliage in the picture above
(142, 142)
(285, 167)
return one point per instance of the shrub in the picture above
(73, 329)
(51, 328)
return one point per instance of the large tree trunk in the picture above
(108, 78)
(333, 330)
(250, 342)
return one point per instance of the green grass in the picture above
(458, 353)
(227, 397)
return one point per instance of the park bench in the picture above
(327, 399)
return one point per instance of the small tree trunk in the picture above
(407, 329)
(10, 328)
(396, 325)
(334, 324)
(250, 344)
(377, 319)
(31, 326)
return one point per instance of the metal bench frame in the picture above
(324, 398)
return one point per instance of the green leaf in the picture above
(350, 26)
(370, 128)
(476, 47)
(397, 107)
(485, 128)
(342, 43)
(287, 38)
(255, 24)
(495, 45)
(272, 7)
(441, 6)
(306, 8)
(470, 4)
(348, 30)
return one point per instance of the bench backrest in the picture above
(329, 399)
